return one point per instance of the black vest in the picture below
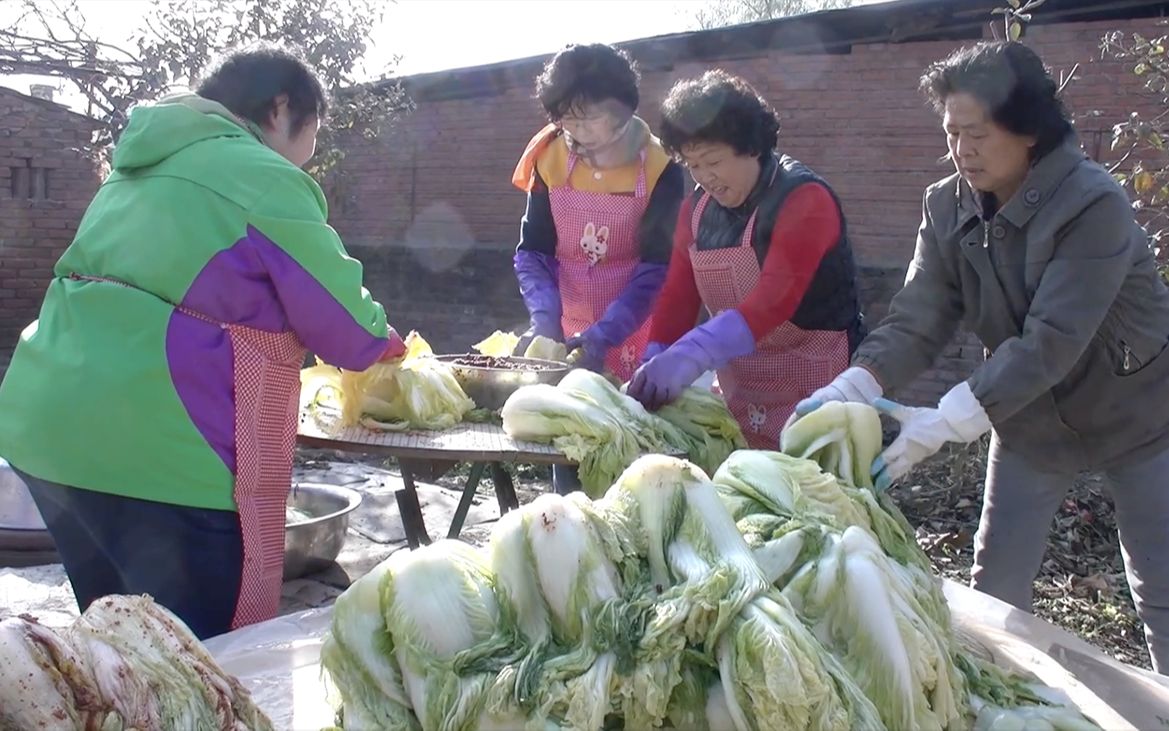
(831, 302)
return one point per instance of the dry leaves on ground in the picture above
(1081, 585)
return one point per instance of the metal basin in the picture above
(313, 544)
(490, 388)
(17, 509)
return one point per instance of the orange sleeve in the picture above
(524, 175)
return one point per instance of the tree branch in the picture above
(177, 39)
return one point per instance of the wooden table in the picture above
(429, 455)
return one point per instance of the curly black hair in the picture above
(587, 74)
(1011, 80)
(248, 80)
(718, 107)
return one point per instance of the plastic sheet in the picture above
(279, 662)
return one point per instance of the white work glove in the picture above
(856, 384)
(958, 418)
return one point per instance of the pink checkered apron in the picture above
(598, 249)
(267, 394)
(788, 364)
(266, 369)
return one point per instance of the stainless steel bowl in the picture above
(315, 543)
(490, 388)
(17, 509)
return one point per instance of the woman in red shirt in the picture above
(762, 243)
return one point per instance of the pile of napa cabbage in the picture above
(126, 663)
(501, 345)
(416, 391)
(770, 595)
(596, 425)
(584, 416)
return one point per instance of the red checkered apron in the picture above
(598, 249)
(266, 368)
(788, 364)
(267, 394)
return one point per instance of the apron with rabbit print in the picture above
(597, 249)
(789, 363)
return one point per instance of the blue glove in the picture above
(539, 286)
(709, 346)
(882, 479)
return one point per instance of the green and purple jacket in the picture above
(113, 389)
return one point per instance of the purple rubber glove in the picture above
(622, 318)
(539, 286)
(651, 351)
(709, 346)
(592, 358)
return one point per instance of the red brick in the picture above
(857, 119)
(33, 233)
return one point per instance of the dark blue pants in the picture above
(565, 478)
(189, 559)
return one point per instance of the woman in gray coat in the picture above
(1035, 249)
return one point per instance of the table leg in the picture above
(504, 489)
(427, 470)
(411, 511)
(464, 507)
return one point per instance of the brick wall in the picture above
(45, 185)
(430, 210)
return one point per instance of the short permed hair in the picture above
(718, 107)
(1011, 81)
(247, 81)
(587, 74)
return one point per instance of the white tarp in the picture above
(279, 662)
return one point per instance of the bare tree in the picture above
(50, 39)
(177, 41)
(721, 13)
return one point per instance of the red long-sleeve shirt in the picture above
(806, 227)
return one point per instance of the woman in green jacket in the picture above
(151, 408)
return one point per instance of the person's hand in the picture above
(664, 378)
(958, 418)
(395, 349)
(708, 347)
(590, 354)
(923, 432)
(652, 350)
(855, 384)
